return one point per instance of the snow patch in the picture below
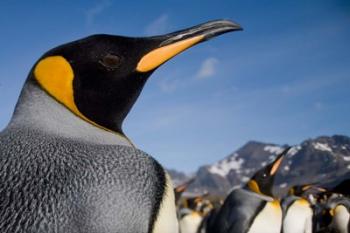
(295, 149)
(223, 167)
(346, 158)
(322, 147)
(286, 168)
(348, 167)
(273, 149)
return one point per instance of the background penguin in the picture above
(310, 192)
(340, 212)
(208, 220)
(298, 215)
(299, 209)
(191, 216)
(322, 211)
(66, 165)
(253, 208)
(189, 221)
(180, 189)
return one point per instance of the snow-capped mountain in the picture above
(321, 160)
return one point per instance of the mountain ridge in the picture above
(323, 160)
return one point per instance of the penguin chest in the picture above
(268, 220)
(166, 220)
(190, 223)
(67, 186)
(341, 219)
(298, 219)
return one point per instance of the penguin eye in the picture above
(111, 61)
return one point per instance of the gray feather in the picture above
(52, 184)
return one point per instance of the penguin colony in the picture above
(253, 208)
(67, 166)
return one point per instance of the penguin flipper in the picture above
(208, 221)
(237, 213)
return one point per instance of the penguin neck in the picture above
(37, 110)
(257, 195)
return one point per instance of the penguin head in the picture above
(99, 78)
(298, 190)
(305, 190)
(262, 181)
(180, 189)
(199, 204)
(338, 203)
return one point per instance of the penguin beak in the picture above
(176, 42)
(278, 161)
(306, 187)
(322, 190)
(183, 187)
(318, 189)
(263, 184)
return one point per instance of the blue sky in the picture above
(285, 78)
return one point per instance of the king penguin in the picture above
(297, 215)
(299, 209)
(190, 221)
(66, 165)
(251, 209)
(340, 212)
(180, 189)
(192, 216)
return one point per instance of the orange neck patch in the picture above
(253, 186)
(303, 202)
(55, 75)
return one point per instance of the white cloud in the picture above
(93, 12)
(158, 26)
(168, 85)
(208, 68)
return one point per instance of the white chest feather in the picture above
(166, 221)
(341, 219)
(269, 220)
(190, 223)
(298, 218)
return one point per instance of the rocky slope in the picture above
(322, 160)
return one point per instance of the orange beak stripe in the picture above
(160, 55)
